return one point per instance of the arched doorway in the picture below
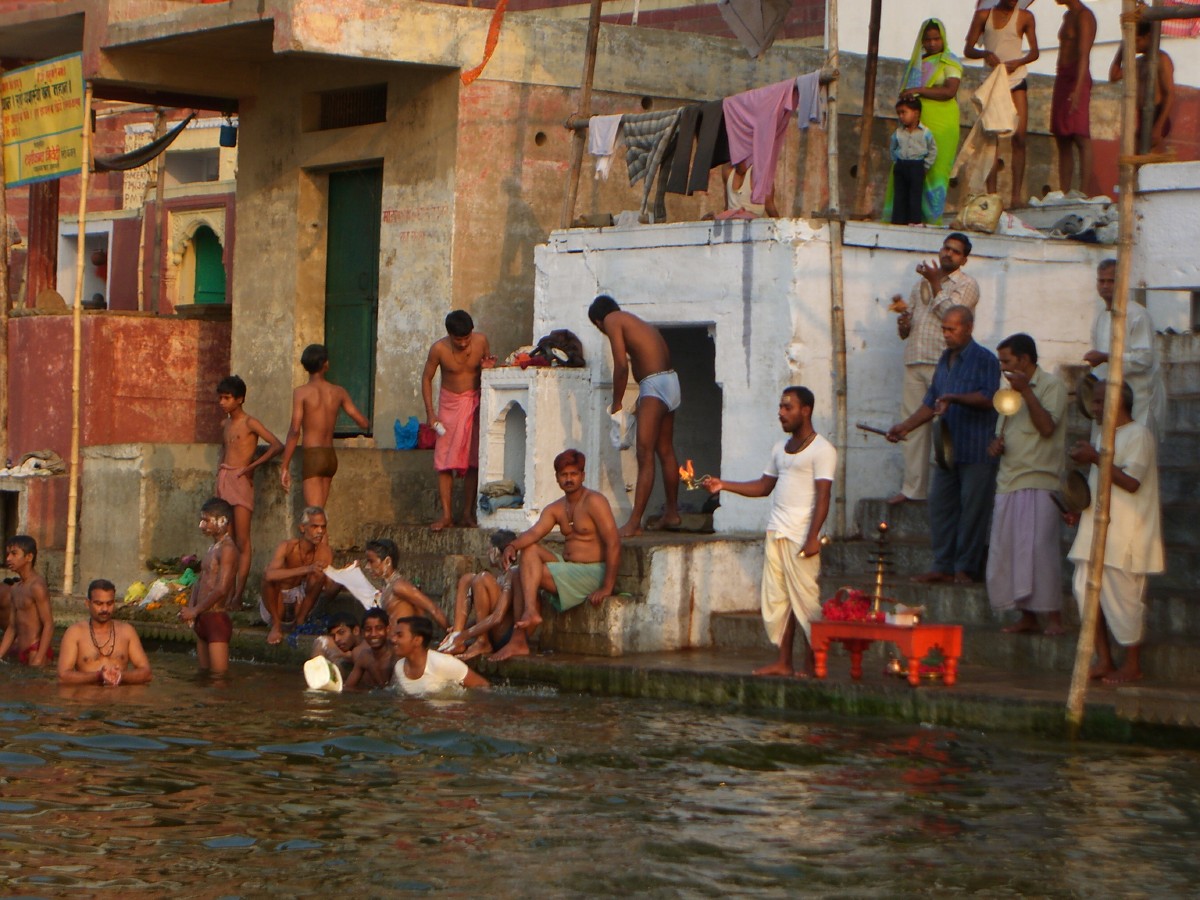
(210, 267)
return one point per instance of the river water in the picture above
(256, 788)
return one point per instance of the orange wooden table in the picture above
(913, 641)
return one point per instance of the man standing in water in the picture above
(315, 407)
(462, 355)
(802, 466)
(30, 628)
(207, 608)
(1070, 115)
(640, 343)
(421, 672)
(102, 650)
(373, 657)
(587, 568)
(296, 574)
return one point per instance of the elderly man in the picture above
(1024, 568)
(1140, 359)
(102, 650)
(1134, 547)
(920, 327)
(960, 501)
(295, 575)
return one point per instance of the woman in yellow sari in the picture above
(933, 74)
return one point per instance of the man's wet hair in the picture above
(601, 307)
(309, 512)
(376, 613)
(459, 323)
(232, 385)
(385, 548)
(100, 584)
(216, 507)
(1020, 344)
(962, 239)
(24, 543)
(909, 103)
(313, 358)
(1105, 264)
(802, 394)
(339, 619)
(419, 626)
(502, 538)
(569, 458)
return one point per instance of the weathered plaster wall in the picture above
(1167, 224)
(766, 294)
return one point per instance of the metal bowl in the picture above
(1076, 493)
(1007, 402)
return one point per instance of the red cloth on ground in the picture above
(235, 487)
(1062, 122)
(457, 450)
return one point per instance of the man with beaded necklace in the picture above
(102, 650)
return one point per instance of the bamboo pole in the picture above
(579, 138)
(160, 127)
(3, 301)
(867, 118)
(1165, 13)
(1112, 394)
(837, 312)
(160, 188)
(76, 348)
(1145, 136)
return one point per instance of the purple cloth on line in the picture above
(755, 122)
(1024, 568)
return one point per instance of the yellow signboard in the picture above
(43, 120)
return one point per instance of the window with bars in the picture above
(349, 107)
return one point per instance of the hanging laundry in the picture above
(810, 107)
(602, 140)
(703, 126)
(997, 118)
(648, 137)
(755, 122)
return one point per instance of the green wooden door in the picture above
(352, 286)
(210, 268)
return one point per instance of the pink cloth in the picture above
(458, 449)
(755, 122)
(235, 487)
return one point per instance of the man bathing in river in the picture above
(421, 672)
(491, 597)
(235, 477)
(373, 658)
(30, 629)
(802, 467)
(462, 355)
(399, 596)
(207, 608)
(639, 343)
(338, 644)
(587, 567)
(102, 650)
(315, 408)
(296, 574)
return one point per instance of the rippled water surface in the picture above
(257, 788)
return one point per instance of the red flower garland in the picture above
(850, 606)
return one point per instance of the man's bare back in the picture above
(215, 580)
(644, 344)
(318, 403)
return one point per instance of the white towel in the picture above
(997, 118)
(811, 107)
(353, 580)
(602, 141)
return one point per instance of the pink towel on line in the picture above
(755, 122)
(458, 449)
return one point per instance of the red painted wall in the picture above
(144, 379)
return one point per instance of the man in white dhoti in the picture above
(802, 467)
(1134, 548)
(1140, 359)
(1024, 567)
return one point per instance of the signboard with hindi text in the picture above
(43, 120)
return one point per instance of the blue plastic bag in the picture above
(406, 434)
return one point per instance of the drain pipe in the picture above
(837, 311)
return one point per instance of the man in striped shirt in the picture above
(960, 498)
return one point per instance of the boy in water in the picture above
(461, 355)
(235, 477)
(315, 407)
(30, 630)
(206, 610)
(338, 645)
(373, 658)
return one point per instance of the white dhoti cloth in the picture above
(1122, 599)
(789, 585)
(291, 596)
(1024, 567)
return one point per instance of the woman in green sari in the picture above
(933, 74)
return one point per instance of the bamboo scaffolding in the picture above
(579, 138)
(77, 347)
(1112, 395)
(837, 312)
(862, 193)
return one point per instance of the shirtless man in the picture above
(207, 608)
(338, 645)
(461, 355)
(6, 602)
(296, 574)
(1164, 87)
(102, 650)
(235, 477)
(658, 398)
(1070, 121)
(399, 596)
(30, 630)
(587, 568)
(491, 597)
(1002, 30)
(373, 657)
(315, 407)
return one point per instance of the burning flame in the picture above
(687, 474)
